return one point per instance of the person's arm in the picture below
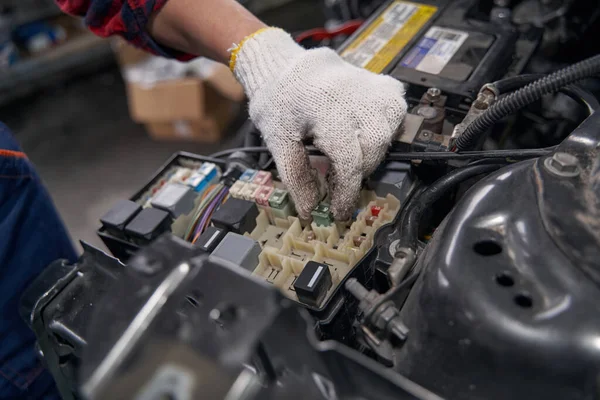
(204, 27)
(294, 94)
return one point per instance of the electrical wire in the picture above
(517, 154)
(409, 231)
(519, 99)
(208, 197)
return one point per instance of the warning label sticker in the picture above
(435, 50)
(387, 35)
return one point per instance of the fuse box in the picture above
(250, 221)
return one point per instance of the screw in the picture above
(563, 164)
(434, 93)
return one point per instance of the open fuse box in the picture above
(247, 217)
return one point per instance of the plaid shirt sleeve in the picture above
(127, 18)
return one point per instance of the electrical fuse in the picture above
(281, 206)
(194, 180)
(322, 215)
(262, 195)
(236, 189)
(199, 181)
(370, 220)
(310, 236)
(248, 176)
(279, 198)
(375, 210)
(209, 170)
(358, 240)
(249, 190)
(181, 175)
(264, 178)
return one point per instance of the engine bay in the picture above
(469, 269)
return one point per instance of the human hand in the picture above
(350, 113)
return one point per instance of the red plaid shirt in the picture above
(127, 18)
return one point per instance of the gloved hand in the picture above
(351, 114)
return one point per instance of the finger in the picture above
(342, 148)
(378, 128)
(296, 173)
(374, 138)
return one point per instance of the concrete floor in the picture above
(87, 150)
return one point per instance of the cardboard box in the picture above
(166, 101)
(173, 105)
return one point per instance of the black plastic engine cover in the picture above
(507, 306)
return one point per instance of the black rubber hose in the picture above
(409, 232)
(508, 85)
(527, 95)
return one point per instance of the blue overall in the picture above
(31, 237)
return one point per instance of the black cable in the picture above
(244, 149)
(409, 231)
(583, 97)
(576, 92)
(518, 154)
(525, 96)
(405, 284)
(513, 83)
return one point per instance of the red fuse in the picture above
(375, 211)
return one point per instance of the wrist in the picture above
(262, 56)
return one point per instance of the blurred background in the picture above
(98, 117)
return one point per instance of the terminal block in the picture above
(289, 246)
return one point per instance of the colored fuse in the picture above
(262, 195)
(248, 192)
(248, 176)
(310, 236)
(370, 220)
(236, 189)
(322, 215)
(209, 170)
(181, 175)
(195, 180)
(264, 178)
(355, 214)
(375, 210)
(358, 240)
(279, 198)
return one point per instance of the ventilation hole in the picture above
(423, 79)
(487, 248)
(523, 300)
(504, 279)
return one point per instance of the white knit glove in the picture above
(350, 113)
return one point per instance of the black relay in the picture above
(312, 284)
(236, 215)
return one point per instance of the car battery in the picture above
(433, 44)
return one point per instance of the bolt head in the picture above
(433, 94)
(563, 164)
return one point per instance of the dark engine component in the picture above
(506, 305)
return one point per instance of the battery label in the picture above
(387, 35)
(435, 50)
